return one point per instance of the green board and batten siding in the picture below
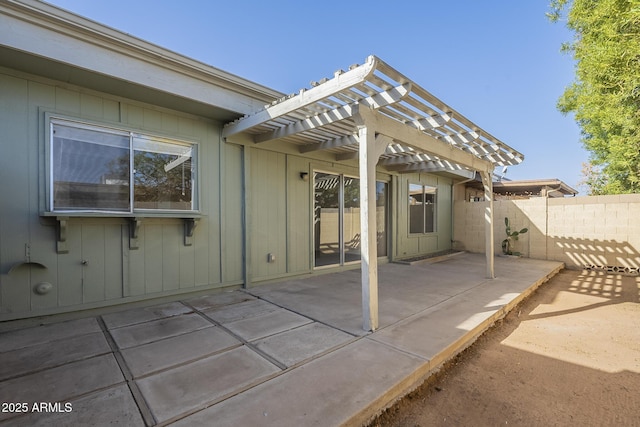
(112, 272)
(238, 183)
(278, 217)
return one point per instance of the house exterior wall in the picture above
(111, 272)
(239, 186)
(595, 231)
(279, 206)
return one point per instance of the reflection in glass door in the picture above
(327, 219)
(381, 217)
(351, 219)
(337, 219)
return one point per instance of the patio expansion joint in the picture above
(45, 368)
(323, 353)
(304, 315)
(244, 342)
(254, 384)
(186, 362)
(219, 399)
(141, 403)
(18, 416)
(372, 338)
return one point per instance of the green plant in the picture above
(506, 243)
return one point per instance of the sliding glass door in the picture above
(337, 219)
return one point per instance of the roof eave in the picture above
(28, 16)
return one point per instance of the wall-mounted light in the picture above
(304, 176)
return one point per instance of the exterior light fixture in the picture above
(304, 176)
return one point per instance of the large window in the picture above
(101, 169)
(422, 208)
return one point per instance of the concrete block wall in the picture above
(600, 232)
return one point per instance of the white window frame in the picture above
(189, 146)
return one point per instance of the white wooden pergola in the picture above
(375, 114)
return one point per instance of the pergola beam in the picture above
(401, 160)
(335, 115)
(426, 167)
(414, 167)
(423, 142)
(346, 156)
(304, 98)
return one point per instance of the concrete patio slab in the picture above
(218, 300)
(63, 383)
(145, 314)
(47, 333)
(403, 290)
(290, 353)
(141, 333)
(426, 334)
(198, 385)
(327, 391)
(148, 358)
(266, 324)
(50, 354)
(340, 294)
(113, 406)
(239, 311)
(294, 346)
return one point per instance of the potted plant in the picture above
(506, 243)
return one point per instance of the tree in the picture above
(605, 95)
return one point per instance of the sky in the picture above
(497, 62)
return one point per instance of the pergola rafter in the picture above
(328, 105)
(336, 115)
(343, 141)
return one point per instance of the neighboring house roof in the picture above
(323, 118)
(529, 187)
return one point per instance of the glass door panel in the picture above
(351, 219)
(327, 219)
(381, 217)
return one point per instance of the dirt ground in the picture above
(568, 356)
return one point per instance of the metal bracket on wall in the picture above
(189, 225)
(134, 228)
(61, 244)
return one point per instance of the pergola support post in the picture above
(487, 183)
(371, 148)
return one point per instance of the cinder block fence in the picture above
(595, 232)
